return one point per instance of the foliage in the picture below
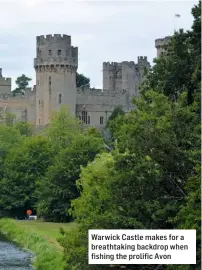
(63, 129)
(58, 187)
(82, 81)
(9, 137)
(180, 69)
(22, 167)
(116, 112)
(22, 82)
(152, 178)
(24, 128)
(91, 211)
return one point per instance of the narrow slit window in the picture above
(60, 99)
(101, 120)
(49, 52)
(59, 52)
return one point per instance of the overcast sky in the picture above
(102, 30)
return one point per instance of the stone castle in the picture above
(56, 65)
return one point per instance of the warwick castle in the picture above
(56, 65)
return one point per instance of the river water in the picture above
(13, 257)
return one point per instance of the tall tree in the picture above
(22, 82)
(82, 81)
(21, 172)
(58, 186)
(179, 70)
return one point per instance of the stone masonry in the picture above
(56, 64)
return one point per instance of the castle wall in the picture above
(99, 104)
(121, 82)
(22, 106)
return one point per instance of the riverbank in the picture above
(38, 237)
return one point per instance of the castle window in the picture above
(39, 102)
(59, 52)
(49, 93)
(101, 120)
(84, 117)
(49, 80)
(88, 119)
(60, 99)
(66, 52)
(49, 52)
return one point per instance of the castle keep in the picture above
(56, 65)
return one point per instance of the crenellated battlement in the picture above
(5, 84)
(161, 42)
(4, 81)
(142, 58)
(43, 39)
(55, 50)
(110, 66)
(29, 94)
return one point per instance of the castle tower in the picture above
(55, 64)
(161, 45)
(112, 76)
(5, 84)
(125, 75)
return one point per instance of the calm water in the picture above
(13, 258)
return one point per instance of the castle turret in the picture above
(112, 76)
(5, 84)
(161, 45)
(56, 64)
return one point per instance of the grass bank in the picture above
(40, 238)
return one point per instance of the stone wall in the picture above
(22, 106)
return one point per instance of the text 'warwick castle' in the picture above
(56, 64)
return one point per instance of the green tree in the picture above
(58, 186)
(116, 112)
(145, 185)
(23, 166)
(63, 129)
(22, 82)
(152, 179)
(82, 81)
(9, 138)
(180, 69)
(25, 128)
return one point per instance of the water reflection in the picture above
(13, 258)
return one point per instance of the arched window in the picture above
(60, 99)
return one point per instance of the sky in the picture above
(111, 31)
